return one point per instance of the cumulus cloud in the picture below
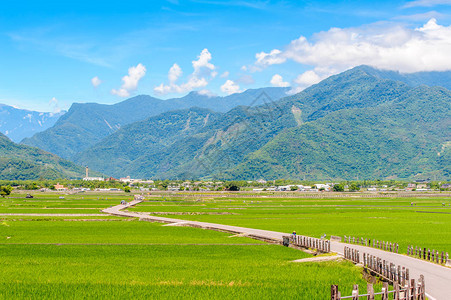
(203, 72)
(174, 73)
(96, 81)
(385, 46)
(130, 81)
(277, 80)
(230, 87)
(274, 57)
(225, 74)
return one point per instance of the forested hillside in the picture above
(21, 162)
(352, 125)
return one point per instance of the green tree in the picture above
(353, 187)
(127, 189)
(338, 187)
(5, 190)
(232, 186)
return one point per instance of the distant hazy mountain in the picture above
(21, 162)
(356, 124)
(86, 124)
(18, 124)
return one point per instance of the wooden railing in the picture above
(403, 286)
(387, 246)
(427, 254)
(307, 242)
(411, 291)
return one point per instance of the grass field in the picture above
(422, 221)
(111, 257)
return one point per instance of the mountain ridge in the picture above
(227, 145)
(87, 123)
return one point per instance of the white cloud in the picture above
(203, 72)
(426, 3)
(271, 58)
(385, 46)
(277, 80)
(130, 81)
(305, 80)
(174, 73)
(225, 74)
(230, 87)
(96, 81)
(53, 103)
(206, 92)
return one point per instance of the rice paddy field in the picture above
(52, 248)
(423, 220)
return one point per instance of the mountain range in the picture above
(364, 123)
(85, 124)
(18, 123)
(354, 125)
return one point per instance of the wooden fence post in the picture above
(370, 291)
(414, 289)
(334, 292)
(355, 292)
(407, 292)
(403, 282)
(384, 291)
(423, 288)
(396, 293)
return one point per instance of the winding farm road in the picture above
(437, 278)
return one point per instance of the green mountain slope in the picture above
(21, 162)
(236, 144)
(405, 138)
(129, 145)
(86, 124)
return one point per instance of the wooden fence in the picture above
(427, 254)
(352, 255)
(411, 291)
(387, 246)
(307, 242)
(404, 288)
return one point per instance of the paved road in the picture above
(437, 278)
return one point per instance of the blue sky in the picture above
(51, 51)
